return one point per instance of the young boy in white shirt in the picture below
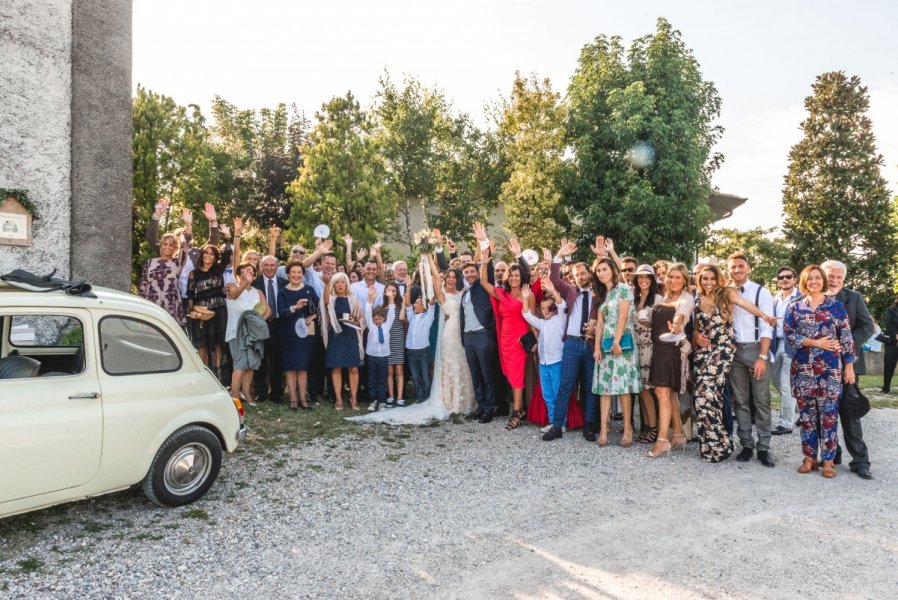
(417, 341)
(551, 341)
(377, 349)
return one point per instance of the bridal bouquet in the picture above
(425, 241)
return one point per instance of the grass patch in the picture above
(316, 468)
(273, 426)
(147, 537)
(393, 457)
(30, 565)
(197, 513)
(94, 527)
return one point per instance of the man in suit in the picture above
(268, 379)
(478, 334)
(862, 328)
(577, 361)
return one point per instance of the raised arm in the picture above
(153, 225)
(273, 235)
(484, 275)
(320, 250)
(437, 286)
(212, 217)
(375, 254)
(238, 229)
(347, 240)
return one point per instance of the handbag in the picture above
(854, 404)
(528, 341)
(626, 342)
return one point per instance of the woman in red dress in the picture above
(510, 327)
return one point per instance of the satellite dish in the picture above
(530, 256)
(322, 231)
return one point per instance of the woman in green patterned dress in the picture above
(617, 370)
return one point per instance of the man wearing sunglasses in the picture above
(786, 279)
(296, 253)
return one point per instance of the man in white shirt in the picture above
(786, 279)
(750, 377)
(369, 278)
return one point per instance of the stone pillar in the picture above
(101, 142)
(65, 134)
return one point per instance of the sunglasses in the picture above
(628, 270)
(299, 251)
(785, 276)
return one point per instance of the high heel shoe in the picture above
(660, 440)
(603, 440)
(626, 440)
(649, 437)
(681, 444)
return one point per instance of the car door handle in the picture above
(85, 396)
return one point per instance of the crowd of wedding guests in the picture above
(547, 339)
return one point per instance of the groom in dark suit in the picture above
(478, 336)
(268, 380)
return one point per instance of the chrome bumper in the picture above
(241, 434)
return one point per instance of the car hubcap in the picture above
(187, 469)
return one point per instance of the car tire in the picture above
(184, 468)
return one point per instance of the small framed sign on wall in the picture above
(16, 215)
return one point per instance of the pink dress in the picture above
(510, 326)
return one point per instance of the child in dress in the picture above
(551, 340)
(377, 350)
(417, 340)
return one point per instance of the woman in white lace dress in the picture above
(456, 385)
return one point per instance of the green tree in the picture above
(438, 161)
(835, 200)
(531, 129)
(642, 128)
(171, 158)
(766, 250)
(343, 181)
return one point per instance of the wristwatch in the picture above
(762, 357)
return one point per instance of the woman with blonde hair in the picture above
(666, 371)
(159, 280)
(715, 348)
(342, 323)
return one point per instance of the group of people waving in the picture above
(562, 342)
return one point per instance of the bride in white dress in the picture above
(452, 390)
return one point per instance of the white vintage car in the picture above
(101, 393)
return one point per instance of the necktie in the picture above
(272, 301)
(584, 310)
(380, 334)
(741, 289)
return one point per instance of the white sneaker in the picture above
(372, 407)
(564, 430)
(390, 402)
(400, 403)
(546, 428)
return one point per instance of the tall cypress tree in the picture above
(835, 200)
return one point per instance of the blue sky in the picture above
(763, 57)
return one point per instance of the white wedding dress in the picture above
(451, 391)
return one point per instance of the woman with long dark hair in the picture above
(205, 288)
(617, 368)
(647, 293)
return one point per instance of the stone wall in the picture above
(35, 125)
(65, 134)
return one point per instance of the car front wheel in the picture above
(184, 468)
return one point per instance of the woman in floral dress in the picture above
(715, 348)
(617, 371)
(817, 327)
(159, 281)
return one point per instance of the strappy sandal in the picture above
(829, 469)
(515, 421)
(294, 405)
(808, 465)
(652, 454)
(626, 440)
(648, 436)
(681, 444)
(603, 440)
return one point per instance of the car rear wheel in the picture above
(184, 468)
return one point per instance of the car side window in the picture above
(43, 345)
(134, 347)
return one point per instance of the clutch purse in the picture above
(528, 341)
(626, 342)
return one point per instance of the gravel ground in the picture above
(473, 511)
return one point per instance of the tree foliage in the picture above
(531, 129)
(437, 161)
(835, 200)
(766, 250)
(343, 181)
(642, 128)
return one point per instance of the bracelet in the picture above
(237, 237)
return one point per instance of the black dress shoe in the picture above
(765, 458)
(863, 472)
(780, 430)
(745, 454)
(838, 459)
(552, 434)
(485, 418)
(473, 416)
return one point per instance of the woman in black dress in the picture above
(205, 288)
(297, 302)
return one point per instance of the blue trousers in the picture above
(577, 363)
(418, 362)
(549, 380)
(377, 378)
